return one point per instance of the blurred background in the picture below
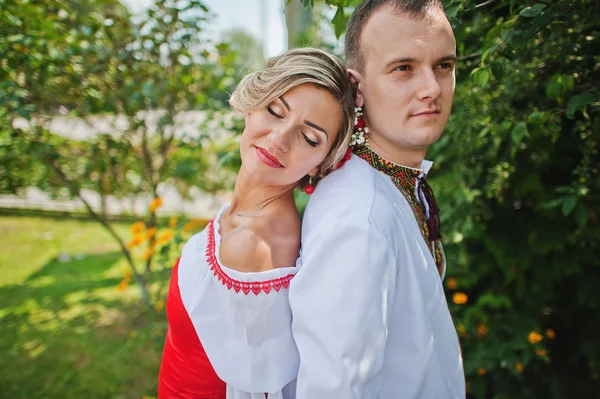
(117, 144)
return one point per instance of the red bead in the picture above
(309, 189)
(360, 123)
(348, 154)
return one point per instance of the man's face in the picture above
(407, 82)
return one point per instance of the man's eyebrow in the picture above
(287, 106)
(400, 60)
(447, 58)
(410, 59)
(309, 123)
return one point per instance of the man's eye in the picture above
(446, 65)
(309, 141)
(275, 114)
(403, 68)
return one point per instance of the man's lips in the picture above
(267, 158)
(427, 113)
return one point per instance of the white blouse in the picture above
(242, 319)
(369, 314)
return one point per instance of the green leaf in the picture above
(517, 38)
(452, 11)
(15, 38)
(553, 90)
(536, 118)
(569, 204)
(580, 101)
(497, 69)
(519, 132)
(581, 214)
(482, 77)
(565, 190)
(339, 22)
(530, 12)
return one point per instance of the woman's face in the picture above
(289, 138)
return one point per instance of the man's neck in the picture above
(400, 156)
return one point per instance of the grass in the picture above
(65, 331)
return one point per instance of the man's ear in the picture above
(356, 79)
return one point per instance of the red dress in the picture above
(185, 371)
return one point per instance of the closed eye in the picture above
(275, 114)
(309, 141)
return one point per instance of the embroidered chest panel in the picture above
(405, 180)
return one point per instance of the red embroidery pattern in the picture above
(245, 286)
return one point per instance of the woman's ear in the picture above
(356, 80)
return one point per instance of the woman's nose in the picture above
(280, 139)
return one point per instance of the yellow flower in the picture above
(460, 298)
(481, 371)
(534, 337)
(155, 204)
(165, 237)
(461, 329)
(147, 253)
(550, 333)
(519, 367)
(159, 305)
(127, 275)
(173, 222)
(481, 330)
(540, 352)
(150, 233)
(137, 228)
(122, 286)
(135, 241)
(451, 283)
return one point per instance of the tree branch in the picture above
(486, 3)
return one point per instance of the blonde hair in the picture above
(291, 69)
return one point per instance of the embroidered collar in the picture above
(405, 175)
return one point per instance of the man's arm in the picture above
(341, 299)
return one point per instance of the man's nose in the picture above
(429, 87)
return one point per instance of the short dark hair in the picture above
(360, 16)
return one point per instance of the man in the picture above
(370, 318)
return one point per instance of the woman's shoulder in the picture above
(271, 243)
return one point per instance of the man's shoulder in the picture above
(355, 194)
(350, 189)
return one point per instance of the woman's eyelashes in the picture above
(309, 141)
(275, 114)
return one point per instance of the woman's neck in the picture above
(251, 199)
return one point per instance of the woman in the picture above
(229, 319)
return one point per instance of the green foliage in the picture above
(131, 81)
(518, 184)
(519, 188)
